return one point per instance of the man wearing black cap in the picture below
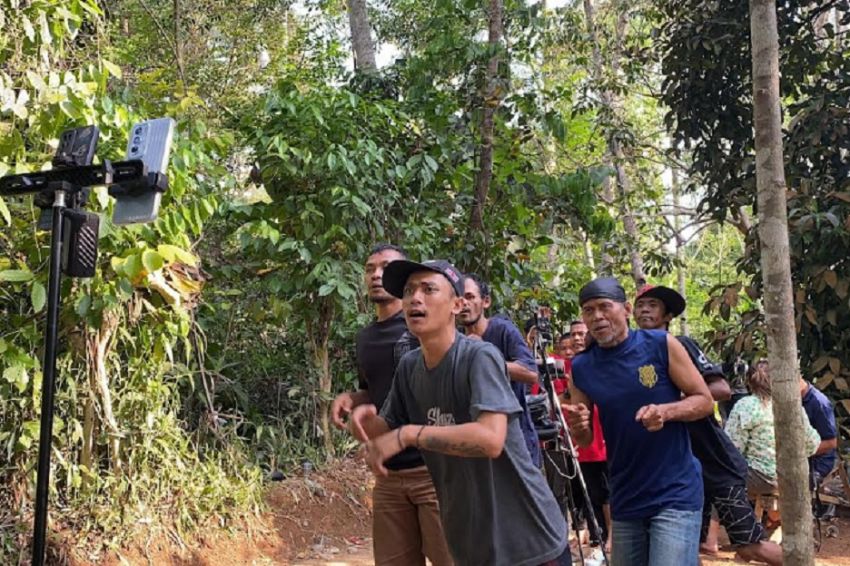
(406, 525)
(724, 469)
(452, 399)
(646, 388)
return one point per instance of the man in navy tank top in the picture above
(645, 387)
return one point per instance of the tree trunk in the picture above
(616, 155)
(98, 348)
(321, 360)
(588, 252)
(629, 223)
(178, 47)
(680, 244)
(776, 272)
(361, 37)
(87, 455)
(492, 99)
(318, 331)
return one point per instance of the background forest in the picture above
(535, 143)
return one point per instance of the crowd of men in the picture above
(461, 475)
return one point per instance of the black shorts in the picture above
(735, 513)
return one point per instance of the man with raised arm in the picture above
(406, 524)
(452, 400)
(646, 388)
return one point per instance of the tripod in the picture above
(73, 251)
(566, 450)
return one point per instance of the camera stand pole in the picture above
(48, 382)
(564, 443)
(66, 182)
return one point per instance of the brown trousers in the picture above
(406, 527)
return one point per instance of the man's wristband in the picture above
(418, 434)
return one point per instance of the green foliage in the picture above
(343, 171)
(222, 53)
(210, 342)
(393, 158)
(128, 343)
(706, 60)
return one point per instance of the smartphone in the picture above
(149, 141)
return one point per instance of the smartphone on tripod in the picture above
(149, 141)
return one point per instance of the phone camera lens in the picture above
(137, 140)
(138, 131)
(134, 149)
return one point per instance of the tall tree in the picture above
(675, 192)
(611, 106)
(493, 93)
(778, 300)
(708, 88)
(361, 37)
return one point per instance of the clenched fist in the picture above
(651, 417)
(578, 418)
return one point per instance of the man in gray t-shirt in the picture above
(452, 399)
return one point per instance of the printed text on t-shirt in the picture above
(437, 418)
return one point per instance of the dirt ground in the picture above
(324, 520)
(833, 552)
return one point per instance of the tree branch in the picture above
(175, 51)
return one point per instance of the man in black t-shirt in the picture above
(724, 470)
(406, 524)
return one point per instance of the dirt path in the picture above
(325, 520)
(827, 557)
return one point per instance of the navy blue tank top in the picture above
(649, 471)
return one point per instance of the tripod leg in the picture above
(572, 504)
(39, 544)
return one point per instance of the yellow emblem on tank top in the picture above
(648, 377)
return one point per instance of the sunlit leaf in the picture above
(113, 69)
(38, 295)
(15, 275)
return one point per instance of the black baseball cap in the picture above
(602, 288)
(673, 301)
(396, 274)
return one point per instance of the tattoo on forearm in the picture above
(453, 448)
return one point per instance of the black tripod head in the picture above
(76, 149)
